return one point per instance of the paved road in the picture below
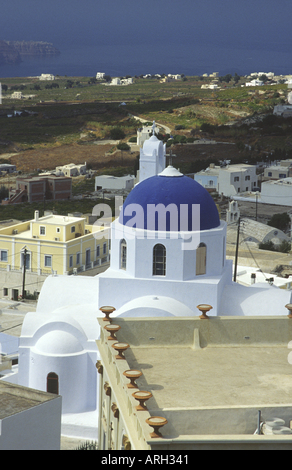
(167, 129)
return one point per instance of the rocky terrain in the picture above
(8, 54)
(12, 52)
(33, 48)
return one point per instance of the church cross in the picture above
(170, 155)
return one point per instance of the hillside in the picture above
(8, 54)
(33, 48)
(64, 120)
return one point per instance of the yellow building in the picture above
(52, 244)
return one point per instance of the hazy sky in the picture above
(254, 23)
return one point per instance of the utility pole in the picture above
(23, 275)
(236, 253)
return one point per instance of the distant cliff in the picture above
(8, 54)
(33, 48)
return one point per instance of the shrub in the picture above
(123, 146)
(280, 221)
(267, 246)
(4, 193)
(116, 133)
(206, 127)
(285, 247)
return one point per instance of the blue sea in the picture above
(136, 59)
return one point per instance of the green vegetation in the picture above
(25, 211)
(280, 221)
(3, 192)
(284, 247)
(79, 109)
(72, 113)
(116, 133)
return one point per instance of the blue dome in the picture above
(178, 190)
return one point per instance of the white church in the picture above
(167, 256)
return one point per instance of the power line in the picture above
(260, 269)
(11, 327)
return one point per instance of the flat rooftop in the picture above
(280, 182)
(210, 376)
(54, 219)
(15, 399)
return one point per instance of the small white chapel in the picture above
(167, 257)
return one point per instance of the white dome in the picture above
(154, 306)
(59, 343)
(170, 171)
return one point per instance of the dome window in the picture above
(123, 264)
(159, 260)
(201, 259)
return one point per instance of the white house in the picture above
(17, 95)
(127, 81)
(211, 86)
(208, 178)
(72, 169)
(100, 75)
(114, 182)
(254, 82)
(122, 81)
(144, 133)
(284, 110)
(275, 172)
(228, 180)
(277, 192)
(30, 419)
(7, 167)
(116, 81)
(237, 178)
(174, 76)
(46, 76)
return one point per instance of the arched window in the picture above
(53, 383)
(201, 259)
(159, 260)
(123, 263)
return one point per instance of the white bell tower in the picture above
(152, 157)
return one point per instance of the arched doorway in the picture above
(53, 383)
